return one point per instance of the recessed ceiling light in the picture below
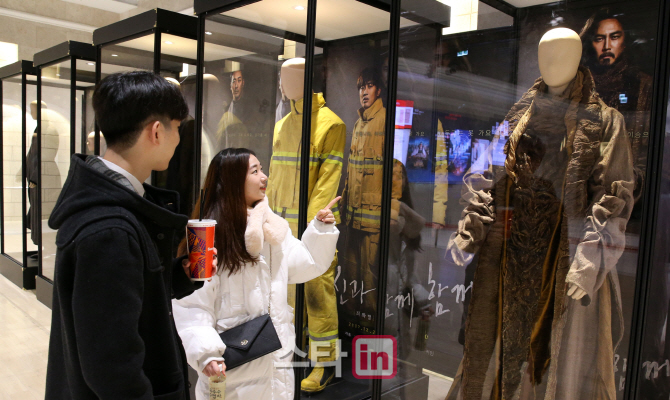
(115, 55)
(299, 8)
(208, 33)
(91, 63)
(168, 42)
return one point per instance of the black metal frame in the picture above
(66, 51)
(15, 270)
(157, 22)
(208, 8)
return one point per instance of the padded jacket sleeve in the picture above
(310, 257)
(195, 317)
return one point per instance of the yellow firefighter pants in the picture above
(322, 321)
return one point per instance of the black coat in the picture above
(112, 332)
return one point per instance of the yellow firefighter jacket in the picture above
(328, 138)
(362, 197)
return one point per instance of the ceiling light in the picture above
(208, 33)
(168, 42)
(299, 8)
(91, 63)
(115, 55)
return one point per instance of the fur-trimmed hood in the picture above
(262, 225)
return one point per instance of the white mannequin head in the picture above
(33, 108)
(558, 55)
(293, 78)
(173, 81)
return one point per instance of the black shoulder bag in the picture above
(253, 339)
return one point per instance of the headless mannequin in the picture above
(558, 55)
(293, 78)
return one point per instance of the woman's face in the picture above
(254, 188)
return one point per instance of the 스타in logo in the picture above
(375, 357)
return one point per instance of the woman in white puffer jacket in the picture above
(258, 258)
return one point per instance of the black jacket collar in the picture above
(86, 188)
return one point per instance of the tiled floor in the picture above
(24, 341)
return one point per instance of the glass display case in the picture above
(492, 222)
(20, 236)
(67, 80)
(164, 42)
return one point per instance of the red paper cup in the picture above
(200, 235)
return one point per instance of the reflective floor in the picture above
(24, 342)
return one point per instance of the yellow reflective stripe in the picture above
(366, 166)
(280, 162)
(365, 215)
(324, 334)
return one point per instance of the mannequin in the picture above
(558, 56)
(293, 78)
(545, 315)
(32, 176)
(328, 137)
(90, 143)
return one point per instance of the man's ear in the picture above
(154, 127)
(379, 92)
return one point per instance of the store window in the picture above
(61, 137)
(513, 255)
(15, 148)
(653, 380)
(243, 100)
(177, 65)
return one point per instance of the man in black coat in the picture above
(112, 332)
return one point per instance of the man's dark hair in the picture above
(124, 103)
(591, 27)
(370, 75)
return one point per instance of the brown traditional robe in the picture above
(554, 214)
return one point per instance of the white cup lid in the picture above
(196, 223)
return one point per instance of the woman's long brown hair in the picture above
(225, 202)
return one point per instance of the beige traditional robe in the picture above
(597, 200)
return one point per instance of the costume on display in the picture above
(181, 168)
(231, 300)
(32, 162)
(328, 138)
(568, 175)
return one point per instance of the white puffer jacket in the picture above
(228, 301)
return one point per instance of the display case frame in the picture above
(70, 51)
(650, 211)
(205, 9)
(18, 271)
(157, 21)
